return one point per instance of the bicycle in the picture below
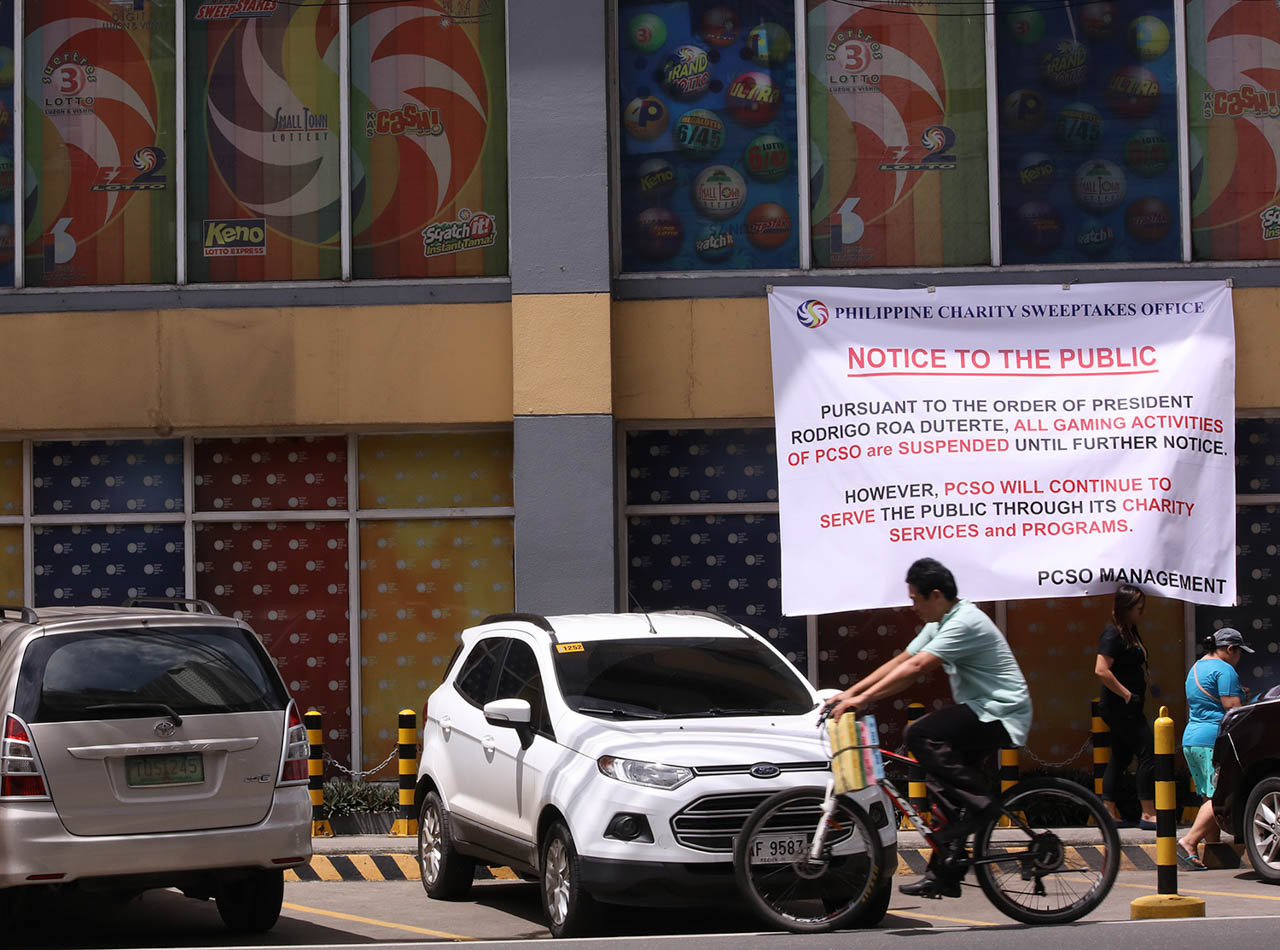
(808, 859)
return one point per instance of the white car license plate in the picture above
(778, 849)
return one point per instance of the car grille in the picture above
(711, 823)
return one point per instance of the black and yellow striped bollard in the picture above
(1008, 778)
(1100, 736)
(917, 791)
(406, 826)
(320, 827)
(1166, 902)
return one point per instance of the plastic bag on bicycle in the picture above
(855, 752)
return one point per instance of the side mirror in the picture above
(508, 712)
(825, 694)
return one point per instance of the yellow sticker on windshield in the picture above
(568, 647)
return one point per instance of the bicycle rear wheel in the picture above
(790, 891)
(1062, 854)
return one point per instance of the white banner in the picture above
(1039, 441)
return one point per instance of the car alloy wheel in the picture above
(429, 844)
(555, 882)
(1265, 819)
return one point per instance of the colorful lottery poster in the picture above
(898, 136)
(708, 140)
(1088, 132)
(429, 138)
(7, 238)
(99, 135)
(1233, 100)
(264, 189)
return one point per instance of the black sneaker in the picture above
(931, 887)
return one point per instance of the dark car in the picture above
(1246, 799)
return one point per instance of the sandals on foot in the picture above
(1189, 860)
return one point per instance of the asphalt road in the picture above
(1240, 909)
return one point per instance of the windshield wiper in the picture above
(139, 708)
(735, 711)
(620, 713)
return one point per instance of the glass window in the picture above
(429, 143)
(520, 679)
(701, 466)
(264, 192)
(105, 477)
(289, 473)
(475, 679)
(1233, 102)
(8, 238)
(11, 582)
(668, 678)
(898, 135)
(1088, 132)
(99, 137)
(193, 672)
(454, 470)
(107, 563)
(708, 139)
(10, 478)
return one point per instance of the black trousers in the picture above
(1130, 738)
(952, 744)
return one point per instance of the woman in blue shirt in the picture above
(1212, 688)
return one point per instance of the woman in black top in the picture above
(1122, 669)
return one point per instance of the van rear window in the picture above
(124, 674)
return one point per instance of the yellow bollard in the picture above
(1100, 733)
(917, 792)
(1008, 778)
(406, 826)
(320, 827)
(1167, 902)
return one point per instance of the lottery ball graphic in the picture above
(1026, 23)
(1095, 238)
(719, 27)
(646, 32)
(1038, 225)
(1148, 152)
(1098, 19)
(768, 158)
(658, 234)
(686, 73)
(1024, 110)
(1035, 173)
(656, 178)
(700, 133)
(1148, 219)
(1098, 185)
(768, 225)
(1078, 127)
(753, 99)
(1133, 92)
(714, 242)
(646, 118)
(1066, 66)
(1148, 38)
(769, 44)
(718, 192)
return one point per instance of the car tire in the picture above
(1261, 828)
(568, 907)
(446, 874)
(249, 902)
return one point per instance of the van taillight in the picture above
(20, 775)
(297, 750)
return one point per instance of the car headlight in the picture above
(650, 774)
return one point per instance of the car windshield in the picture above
(665, 678)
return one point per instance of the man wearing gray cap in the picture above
(1212, 688)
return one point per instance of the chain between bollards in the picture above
(406, 825)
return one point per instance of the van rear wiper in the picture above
(138, 708)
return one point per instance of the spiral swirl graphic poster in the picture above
(1233, 98)
(264, 189)
(428, 138)
(897, 124)
(99, 134)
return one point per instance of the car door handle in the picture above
(488, 743)
(446, 726)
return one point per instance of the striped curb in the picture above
(404, 867)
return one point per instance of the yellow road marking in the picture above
(949, 920)
(377, 923)
(409, 865)
(364, 864)
(324, 868)
(1252, 897)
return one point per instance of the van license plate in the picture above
(778, 849)
(183, 768)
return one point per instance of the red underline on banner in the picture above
(1128, 372)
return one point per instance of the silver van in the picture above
(148, 746)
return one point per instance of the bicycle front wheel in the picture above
(1057, 860)
(791, 890)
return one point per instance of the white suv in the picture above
(147, 747)
(613, 757)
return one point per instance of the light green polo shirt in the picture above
(984, 674)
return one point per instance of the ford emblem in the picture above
(765, 770)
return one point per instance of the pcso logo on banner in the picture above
(812, 314)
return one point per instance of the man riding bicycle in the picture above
(993, 710)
